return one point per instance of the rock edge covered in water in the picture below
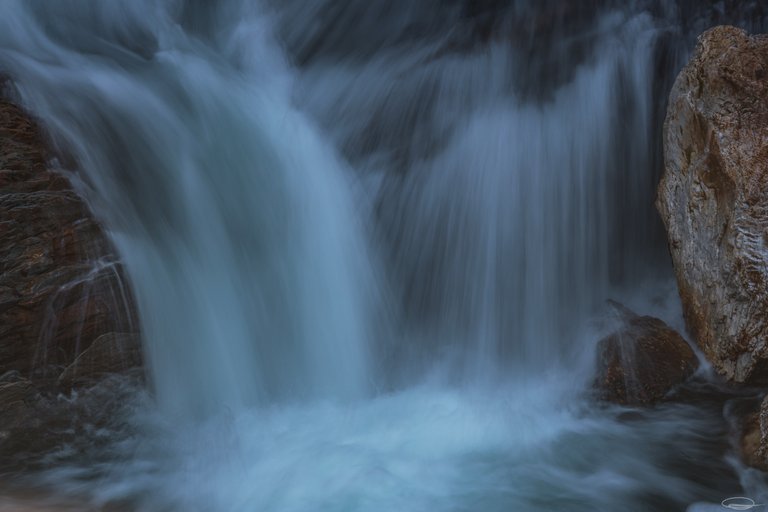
(642, 361)
(62, 287)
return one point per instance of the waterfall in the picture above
(369, 242)
(235, 218)
(246, 234)
(510, 217)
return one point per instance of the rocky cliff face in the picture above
(713, 199)
(61, 285)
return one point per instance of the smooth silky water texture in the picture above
(365, 280)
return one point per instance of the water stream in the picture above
(371, 244)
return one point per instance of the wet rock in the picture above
(713, 199)
(11, 376)
(18, 401)
(19, 391)
(35, 424)
(108, 354)
(640, 362)
(754, 438)
(62, 285)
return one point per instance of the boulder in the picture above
(62, 284)
(641, 361)
(713, 199)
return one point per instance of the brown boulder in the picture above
(639, 363)
(713, 199)
(61, 284)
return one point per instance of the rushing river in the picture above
(371, 243)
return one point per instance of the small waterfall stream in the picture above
(369, 242)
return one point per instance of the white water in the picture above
(364, 283)
(519, 446)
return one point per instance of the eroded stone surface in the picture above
(713, 199)
(61, 285)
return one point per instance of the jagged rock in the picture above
(109, 353)
(639, 363)
(62, 285)
(713, 199)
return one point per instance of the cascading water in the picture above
(365, 260)
(227, 206)
(504, 213)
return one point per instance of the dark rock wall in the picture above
(61, 285)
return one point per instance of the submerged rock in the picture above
(713, 199)
(62, 285)
(639, 363)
